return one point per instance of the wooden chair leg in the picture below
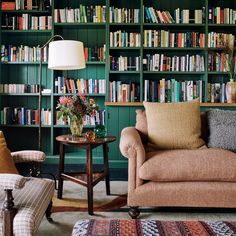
(49, 212)
(8, 213)
(134, 212)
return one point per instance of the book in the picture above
(8, 6)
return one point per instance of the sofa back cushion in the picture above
(174, 125)
(6, 161)
(209, 164)
(222, 129)
(141, 124)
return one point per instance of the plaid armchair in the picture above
(24, 200)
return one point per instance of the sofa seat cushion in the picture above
(31, 201)
(209, 164)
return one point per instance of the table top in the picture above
(69, 139)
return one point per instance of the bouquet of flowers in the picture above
(76, 107)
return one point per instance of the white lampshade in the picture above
(66, 55)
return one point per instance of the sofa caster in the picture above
(134, 212)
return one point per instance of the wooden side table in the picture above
(89, 178)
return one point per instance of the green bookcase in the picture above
(94, 34)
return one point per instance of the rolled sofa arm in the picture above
(12, 181)
(132, 147)
(28, 156)
(130, 140)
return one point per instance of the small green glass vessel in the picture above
(100, 131)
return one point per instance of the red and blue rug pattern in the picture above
(122, 227)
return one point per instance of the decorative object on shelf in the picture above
(231, 92)
(100, 131)
(90, 136)
(230, 65)
(63, 55)
(75, 108)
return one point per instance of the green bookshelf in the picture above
(97, 34)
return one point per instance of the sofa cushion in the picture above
(209, 164)
(174, 125)
(141, 121)
(6, 161)
(141, 124)
(222, 129)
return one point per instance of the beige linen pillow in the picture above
(174, 125)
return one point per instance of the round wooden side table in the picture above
(89, 178)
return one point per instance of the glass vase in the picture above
(100, 131)
(231, 92)
(76, 127)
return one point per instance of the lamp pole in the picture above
(40, 88)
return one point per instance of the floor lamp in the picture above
(62, 55)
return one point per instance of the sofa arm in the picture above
(12, 181)
(130, 139)
(132, 147)
(28, 156)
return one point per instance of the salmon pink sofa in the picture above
(203, 177)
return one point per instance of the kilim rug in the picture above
(153, 227)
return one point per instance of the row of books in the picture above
(156, 16)
(95, 53)
(172, 90)
(124, 15)
(187, 16)
(123, 92)
(10, 53)
(25, 116)
(219, 40)
(40, 5)
(122, 63)
(180, 16)
(216, 92)
(218, 62)
(27, 22)
(221, 15)
(161, 62)
(19, 88)
(87, 86)
(83, 14)
(99, 118)
(124, 39)
(165, 38)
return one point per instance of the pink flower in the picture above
(65, 101)
(91, 101)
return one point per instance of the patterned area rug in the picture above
(153, 227)
(75, 197)
(70, 204)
